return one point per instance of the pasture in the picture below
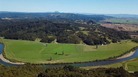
(122, 20)
(132, 65)
(36, 52)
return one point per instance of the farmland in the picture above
(122, 20)
(121, 27)
(132, 65)
(36, 52)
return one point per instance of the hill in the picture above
(123, 15)
(52, 15)
(61, 31)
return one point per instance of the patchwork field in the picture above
(122, 20)
(121, 27)
(36, 52)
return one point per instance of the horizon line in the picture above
(69, 12)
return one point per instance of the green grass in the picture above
(36, 52)
(116, 65)
(85, 32)
(132, 65)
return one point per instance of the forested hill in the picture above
(87, 32)
(52, 15)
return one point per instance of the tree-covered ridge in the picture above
(69, 71)
(66, 71)
(52, 15)
(78, 31)
(20, 71)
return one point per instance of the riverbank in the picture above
(81, 64)
(126, 55)
(7, 61)
(50, 53)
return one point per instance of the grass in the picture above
(132, 65)
(123, 21)
(116, 65)
(85, 32)
(36, 52)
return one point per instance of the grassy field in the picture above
(36, 52)
(122, 20)
(116, 65)
(132, 65)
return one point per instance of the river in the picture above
(83, 64)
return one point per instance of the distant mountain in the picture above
(52, 15)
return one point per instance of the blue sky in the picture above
(72, 6)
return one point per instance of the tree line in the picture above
(70, 71)
(29, 70)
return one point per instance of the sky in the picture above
(72, 6)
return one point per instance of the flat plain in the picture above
(36, 52)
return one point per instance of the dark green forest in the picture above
(20, 71)
(63, 31)
(70, 71)
(66, 71)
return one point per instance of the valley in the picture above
(63, 41)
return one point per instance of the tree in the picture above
(96, 46)
(50, 59)
(55, 53)
(62, 52)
